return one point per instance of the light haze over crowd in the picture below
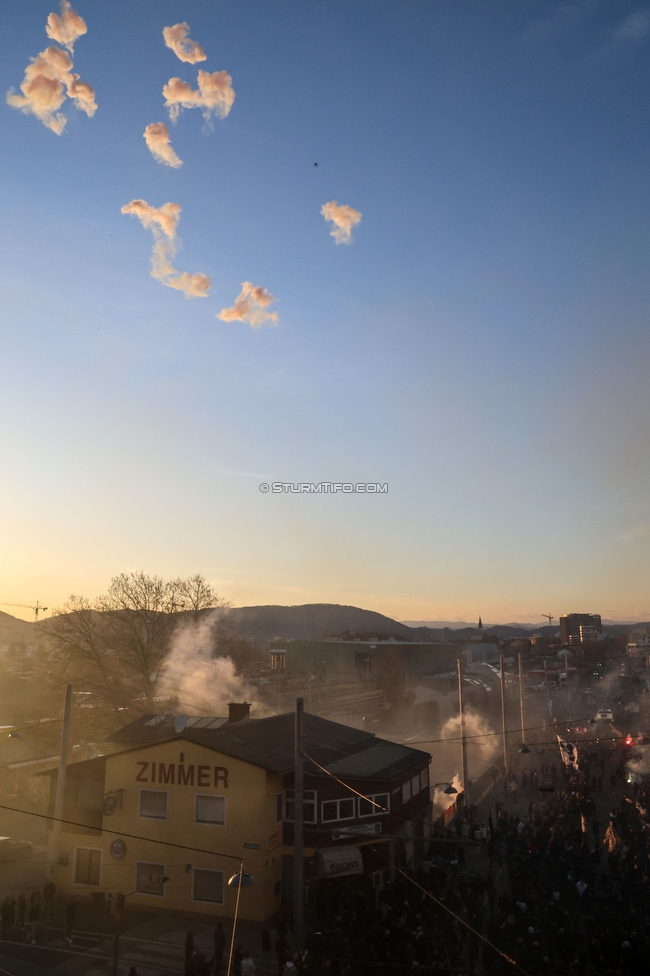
(481, 344)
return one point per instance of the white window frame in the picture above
(203, 901)
(375, 811)
(209, 823)
(306, 799)
(424, 778)
(338, 801)
(415, 785)
(149, 894)
(87, 884)
(144, 816)
(406, 792)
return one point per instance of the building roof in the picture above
(269, 743)
(382, 760)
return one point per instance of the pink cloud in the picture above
(67, 28)
(47, 82)
(183, 46)
(163, 223)
(250, 306)
(344, 219)
(157, 138)
(215, 95)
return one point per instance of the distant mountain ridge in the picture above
(317, 621)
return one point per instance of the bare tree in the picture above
(113, 648)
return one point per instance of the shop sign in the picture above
(373, 828)
(335, 862)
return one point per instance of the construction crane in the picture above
(27, 606)
(549, 617)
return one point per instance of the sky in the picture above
(475, 336)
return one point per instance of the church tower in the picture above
(480, 629)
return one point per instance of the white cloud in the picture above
(215, 95)
(156, 136)
(183, 46)
(47, 82)
(250, 306)
(344, 219)
(163, 222)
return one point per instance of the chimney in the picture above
(238, 711)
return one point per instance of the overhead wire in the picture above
(121, 833)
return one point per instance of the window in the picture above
(406, 791)
(415, 785)
(338, 810)
(149, 878)
(424, 778)
(308, 806)
(153, 804)
(395, 799)
(209, 809)
(88, 866)
(367, 809)
(279, 807)
(207, 886)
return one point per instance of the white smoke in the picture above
(202, 684)
(638, 765)
(482, 743)
(441, 800)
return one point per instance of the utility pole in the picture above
(521, 700)
(298, 829)
(503, 714)
(60, 783)
(463, 740)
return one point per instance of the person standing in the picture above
(247, 967)
(49, 891)
(266, 949)
(7, 915)
(70, 912)
(34, 915)
(219, 946)
(22, 909)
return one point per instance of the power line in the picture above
(121, 833)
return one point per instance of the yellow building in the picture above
(164, 821)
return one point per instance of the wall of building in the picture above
(183, 771)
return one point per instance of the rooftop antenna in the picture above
(27, 606)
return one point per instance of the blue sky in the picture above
(481, 345)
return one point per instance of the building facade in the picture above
(164, 821)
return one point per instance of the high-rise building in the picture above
(572, 623)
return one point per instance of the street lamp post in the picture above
(242, 879)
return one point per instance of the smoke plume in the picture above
(183, 46)
(250, 306)
(215, 95)
(344, 219)
(638, 766)
(162, 222)
(157, 138)
(202, 684)
(47, 82)
(67, 28)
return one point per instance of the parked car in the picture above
(14, 850)
(604, 715)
